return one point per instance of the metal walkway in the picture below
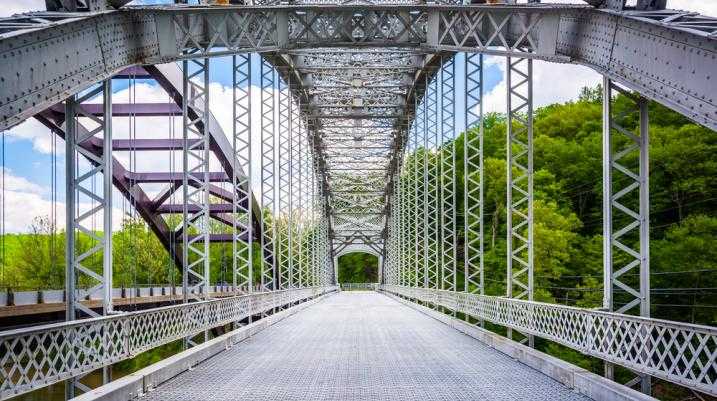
(361, 346)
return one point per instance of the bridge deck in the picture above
(361, 346)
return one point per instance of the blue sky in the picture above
(28, 159)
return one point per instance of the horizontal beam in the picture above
(129, 109)
(663, 56)
(178, 208)
(155, 177)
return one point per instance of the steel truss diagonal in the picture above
(447, 182)
(626, 210)
(88, 199)
(294, 217)
(284, 262)
(243, 226)
(195, 180)
(268, 177)
(420, 223)
(407, 202)
(473, 177)
(431, 179)
(519, 158)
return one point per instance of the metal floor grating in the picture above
(361, 346)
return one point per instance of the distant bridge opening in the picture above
(358, 267)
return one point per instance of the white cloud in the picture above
(24, 200)
(10, 7)
(19, 184)
(40, 136)
(552, 83)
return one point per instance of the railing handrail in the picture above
(369, 286)
(642, 344)
(122, 336)
(648, 320)
(122, 315)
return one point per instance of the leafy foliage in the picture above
(358, 267)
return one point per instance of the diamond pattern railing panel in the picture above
(35, 357)
(681, 353)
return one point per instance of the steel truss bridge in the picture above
(342, 139)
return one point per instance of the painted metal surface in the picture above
(627, 46)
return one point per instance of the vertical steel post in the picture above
(431, 180)
(294, 172)
(242, 226)
(520, 185)
(268, 207)
(473, 184)
(195, 182)
(70, 188)
(447, 174)
(625, 184)
(419, 221)
(282, 218)
(82, 175)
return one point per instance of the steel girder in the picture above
(667, 56)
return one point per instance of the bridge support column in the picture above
(520, 181)
(268, 144)
(626, 200)
(242, 226)
(419, 188)
(405, 228)
(431, 207)
(195, 182)
(447, 174)
(473, 177)
(284, 263)
(304, 199)
(85, 201)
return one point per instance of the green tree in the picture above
(358, 267)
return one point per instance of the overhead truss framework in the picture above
(646, 51)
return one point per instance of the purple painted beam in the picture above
(178, 208)
(220, 237)
(153, 177)
(169, 76)
(126, 109)
(133, 72)
(141, 145)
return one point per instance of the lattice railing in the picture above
(682, 353)
(359, 286)
(35, 357)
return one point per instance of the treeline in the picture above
(36, 260)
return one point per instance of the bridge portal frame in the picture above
(444, 32)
